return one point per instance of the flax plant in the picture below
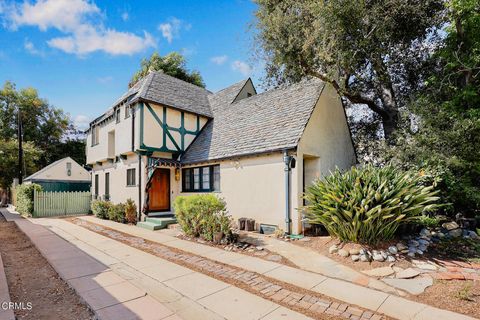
(368, 204)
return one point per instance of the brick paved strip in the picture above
(5, 313)
(292, 297)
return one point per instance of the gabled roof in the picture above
(270, 121)
(51, 165)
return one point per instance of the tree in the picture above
(173, 64)
(370, 51)
(48, 128)
(446, 136)
(9, 159)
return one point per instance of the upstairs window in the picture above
(201, 179)
(131, 177)
(127, 111)
(95, 132)
(117, 115)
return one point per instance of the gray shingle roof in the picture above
(265, 122)
(164, 89)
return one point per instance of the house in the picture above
(165, 137)
(62, 175)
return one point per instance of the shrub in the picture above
(116, 212)
(24, 194)
(202, 215)
(429, 222)
(130, 211)
(100, 208)
(368, 204)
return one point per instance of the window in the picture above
(130, 177)
(69, 168)
(201, 179)
(95, 130)
(127, 112)
(96, 186)
(117, 115)
(107, 186)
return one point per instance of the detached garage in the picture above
(62, 175)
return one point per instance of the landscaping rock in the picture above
(393, 250)
(423, 242)
(333, 249)
(412, 286)
(422, 248)
(411, 254)
(391, 259)
(355, 257)
(452, 225)
(413, 243)
(364, 258)
(379, 272)
(420, 252)
(363, 251)
(378, 257)
(407, 273)
(425, 232)
(343, 253)
(440, 235)
(455, 233)
(473, 235)
(354, 251)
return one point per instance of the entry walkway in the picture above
(377, 301)
(121, 282)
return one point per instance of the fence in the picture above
(50, 204)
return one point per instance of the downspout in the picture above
(286, 160)
(139, 187)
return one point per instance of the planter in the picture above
(217, 237)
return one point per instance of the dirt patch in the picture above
(31, 279)
(454, 295)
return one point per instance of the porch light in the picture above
(177, 174)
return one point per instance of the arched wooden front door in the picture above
(159, 196)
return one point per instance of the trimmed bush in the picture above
(116, 212)
(100, 208)
(130, 211)
(368, 204)
(24, 194)
(202, 215)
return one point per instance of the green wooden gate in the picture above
(52, 204)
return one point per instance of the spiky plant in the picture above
(368, 204)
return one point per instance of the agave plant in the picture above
(368, 204)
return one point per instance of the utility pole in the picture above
(20, 146)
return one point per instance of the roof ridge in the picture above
(180, 80)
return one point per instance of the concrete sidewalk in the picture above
(388, 304)
(121, 282)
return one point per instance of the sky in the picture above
(81, 54)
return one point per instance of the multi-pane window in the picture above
(95, 131)
(96, 185)
(201, 179)
(131, 177)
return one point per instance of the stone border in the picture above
(4, 295)
(292, 297)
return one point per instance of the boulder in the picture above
(393, 249)
(455, 233)
(378, 257)
(364, 258)
(391, 259)
(333, 249)
(355, 257)
(425, 232)
(450, 225)
(354, 251)
(343, 253)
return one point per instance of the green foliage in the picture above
(173, 64)
(428, 222)
(368, 205)
(116, 212)
(101, 208)
(9, 160)
(24, 193)
(130, 211)
(448, 111)
(202, 215)
(371, 51)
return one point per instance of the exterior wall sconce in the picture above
(177, 174)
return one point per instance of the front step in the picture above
(149, 225)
